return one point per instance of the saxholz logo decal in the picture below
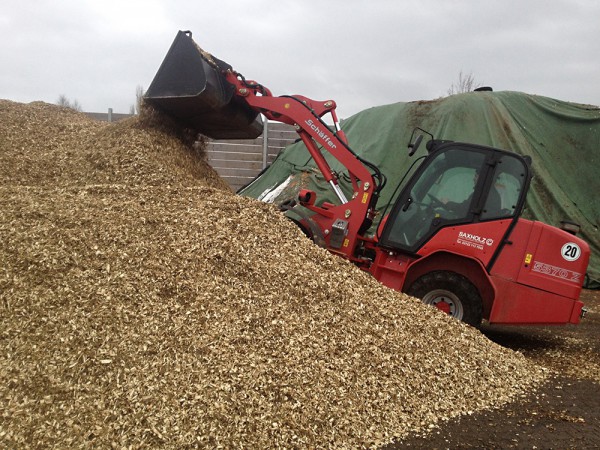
(473, 240)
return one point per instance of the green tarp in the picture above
(563, 140)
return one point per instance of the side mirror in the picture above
(414, 146)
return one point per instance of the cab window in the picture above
(442, 193)
(507, 186)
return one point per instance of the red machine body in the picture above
(530, 283)
(523, 277)
(476, 264)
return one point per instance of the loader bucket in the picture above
(192, 91)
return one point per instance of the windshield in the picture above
(457, 185)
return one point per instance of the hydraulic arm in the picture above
(353, 215)
(219, 102)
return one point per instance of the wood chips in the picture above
(143, 305)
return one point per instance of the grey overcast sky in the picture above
(359, 53)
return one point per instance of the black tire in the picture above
(458, 296)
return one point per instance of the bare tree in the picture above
(139, 98)
(466, 83)
(64, 101)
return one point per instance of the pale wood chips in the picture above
(143, 304)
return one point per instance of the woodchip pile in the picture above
(145, 305)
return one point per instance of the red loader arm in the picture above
(206, 93)
(340, 224)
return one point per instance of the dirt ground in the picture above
(562, 414)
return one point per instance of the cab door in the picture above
(457, 184)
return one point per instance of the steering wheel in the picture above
(436, 202)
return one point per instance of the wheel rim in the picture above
(445, 301)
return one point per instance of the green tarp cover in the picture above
(562, 138)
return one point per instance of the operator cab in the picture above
(456, 184)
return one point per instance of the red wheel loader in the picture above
(454, 236)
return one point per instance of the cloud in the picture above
(359, 53)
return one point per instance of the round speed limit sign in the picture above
(570, 251)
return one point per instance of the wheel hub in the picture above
(445, 301)
(442, 305)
